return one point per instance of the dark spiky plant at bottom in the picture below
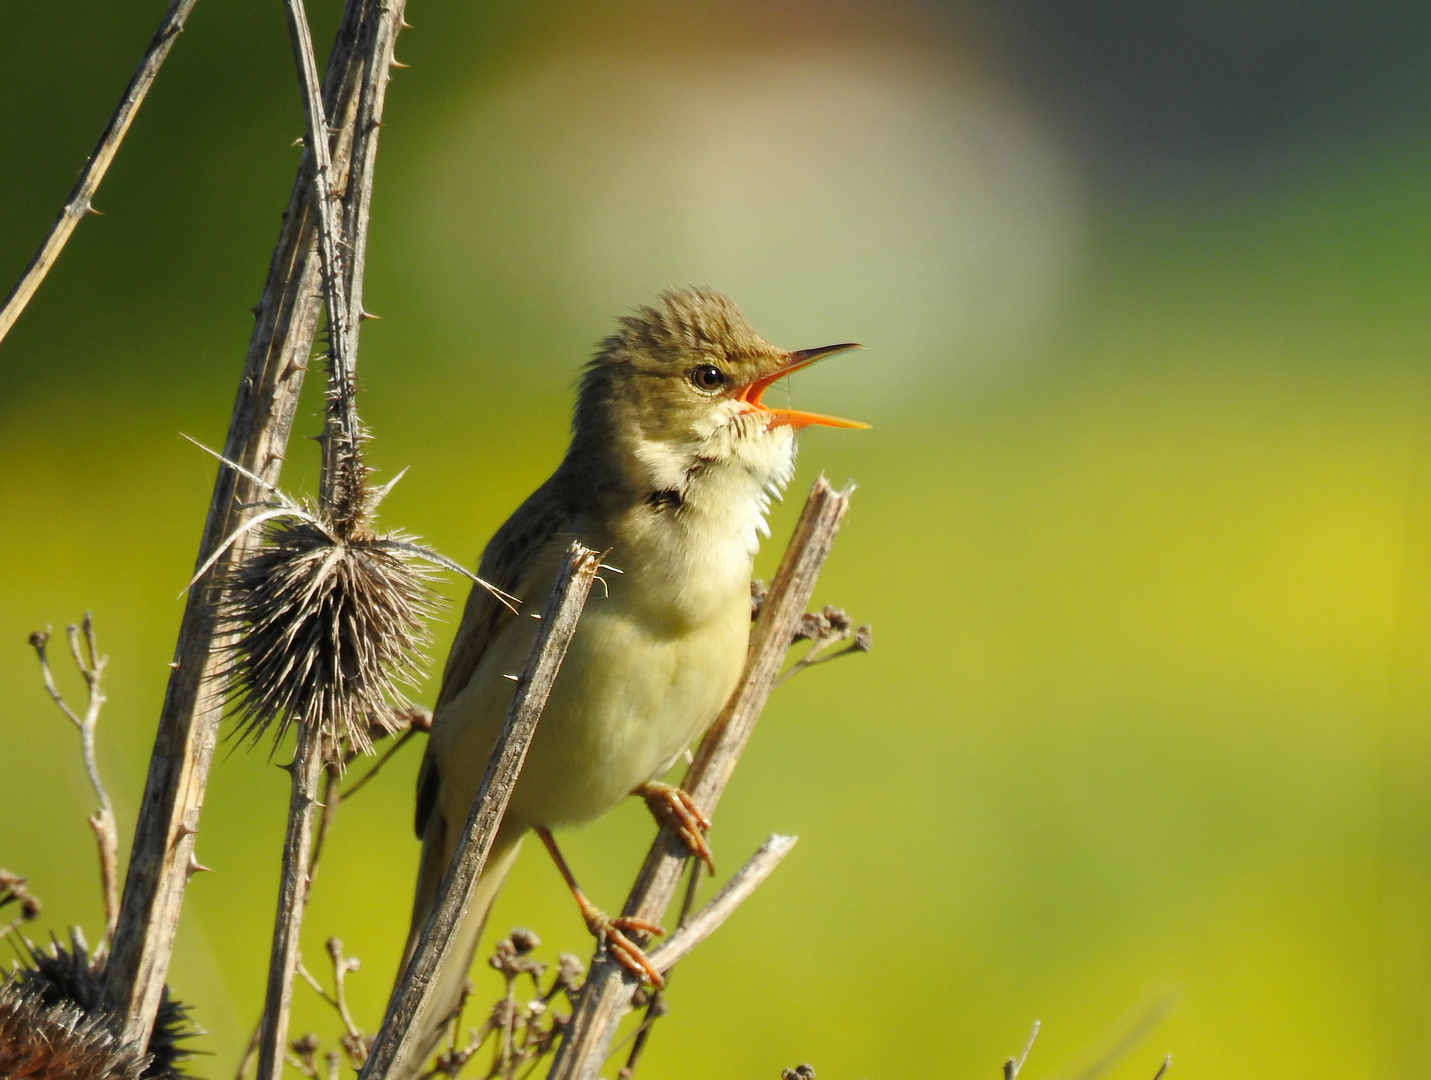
(53, 1025)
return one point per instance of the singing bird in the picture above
(673, 461)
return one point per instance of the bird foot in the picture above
(669, 805)
(622, 949)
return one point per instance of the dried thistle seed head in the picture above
(64, 986)
(59, 1042)
(331, 625)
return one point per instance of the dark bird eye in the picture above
(708, 377)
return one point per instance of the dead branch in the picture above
(285, 322)
(396, 1041)
(609, 988)
(1015, 1065)
(722, 906)
(91, 668)
(81, 197)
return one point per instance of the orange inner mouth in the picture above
(751, 392)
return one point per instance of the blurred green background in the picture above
(1142, 525)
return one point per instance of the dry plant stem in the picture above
(656, 1007)
(80, 200)
(1015, 1064)
(91, 666)
(341, 431)
(284, 325)
(359, 783)
(340, 443)
(378, 63)
(396, 1039)
(248, 1054)
(292, 897)
(608, 988)
(1164, 1067)
(722, 906)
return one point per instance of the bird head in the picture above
(684, 382)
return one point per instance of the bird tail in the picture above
(437, 848)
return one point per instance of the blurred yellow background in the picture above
(1142, 525)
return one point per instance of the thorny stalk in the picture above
(91, 667)
(608, 989)
(305, 768)
(285, 321)
(342, 490)
(81, 197)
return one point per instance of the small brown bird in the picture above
(673, 461)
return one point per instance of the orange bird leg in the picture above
(669, 805)
(623, 950)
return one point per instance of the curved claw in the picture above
(639, 926)
(622, 949)
(669, 805)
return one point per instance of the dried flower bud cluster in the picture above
(14, 890)
(523, 1032)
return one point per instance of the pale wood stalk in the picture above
(286, 319)
(722, 905)
(81, 197)
(609, 987)
(307, 766)
(396, 1041)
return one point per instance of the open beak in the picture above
(750, 393)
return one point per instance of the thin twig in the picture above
(81, 197)
(250, 1052)
(609, 988)
(722, 906)
(285, 322)
(1134, 1032)
(1014, 1066)
(1164, 1067)
(359, 783)
(328, 804)
(397, 1040)
(342, 965)
(91, 667)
